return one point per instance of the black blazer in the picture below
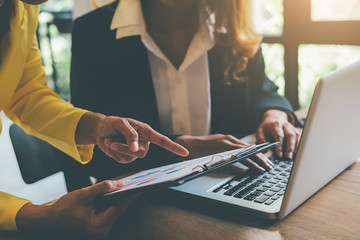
(113, 77)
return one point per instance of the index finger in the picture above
(290, 140)
(278, 135)
(166, 143)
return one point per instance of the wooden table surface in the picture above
(332, 213)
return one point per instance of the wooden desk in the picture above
(333, 213)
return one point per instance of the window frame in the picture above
(298, 29)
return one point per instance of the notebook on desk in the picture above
(329, 144)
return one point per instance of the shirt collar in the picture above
(128, 19)
(129, 15)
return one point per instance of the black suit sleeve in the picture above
(263, 92)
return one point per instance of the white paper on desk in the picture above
(169, 172)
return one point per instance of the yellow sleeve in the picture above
(33, 105)
(9, 207)
(40, 111)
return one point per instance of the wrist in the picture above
(88, 128)
(275, 113)
(34, 217)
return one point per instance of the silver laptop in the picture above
(329, 144)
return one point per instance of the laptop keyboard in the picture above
(263, 189)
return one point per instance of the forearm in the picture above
(87, 128)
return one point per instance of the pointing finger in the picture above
(166, 143)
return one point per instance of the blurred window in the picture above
(335, 10)
(268, 16)
(274, 67)
(316, 61)
(54, 35)
(306, 39)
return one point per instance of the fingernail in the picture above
(290, 155)
(107, 143)
(134, 146)
(114, 147)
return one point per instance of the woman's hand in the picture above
(275, 126)
(107, 132)
(199, 146)
(74, 212)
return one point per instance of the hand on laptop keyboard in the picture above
(276, 126)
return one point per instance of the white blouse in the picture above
(183, 94)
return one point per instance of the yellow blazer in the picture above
(29, 102)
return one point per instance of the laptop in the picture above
(329, 144)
